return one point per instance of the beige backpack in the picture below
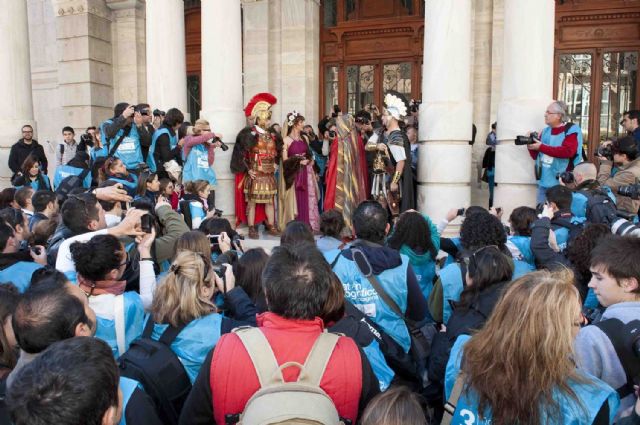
(288, 403)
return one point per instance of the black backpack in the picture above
(70, 183)
(159, 370)
(624, 337)
(600, 208)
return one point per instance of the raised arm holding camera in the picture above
(624, 154)
(556, 150)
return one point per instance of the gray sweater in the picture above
(595, 352)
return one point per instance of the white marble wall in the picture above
(129, 50)
(16, 108)
(447, 110)
(281, 54)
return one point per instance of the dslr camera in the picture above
(223, 146)
(87, 139)
(527, 140)
(332, 134)
(567, 177)
(632, 191)
(605, 151)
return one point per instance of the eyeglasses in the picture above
(551, 113)
(27, 131)
(467, 260)
(127, 259)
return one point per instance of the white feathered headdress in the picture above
(396, 105)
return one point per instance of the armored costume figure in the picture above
(254, 161)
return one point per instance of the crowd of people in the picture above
(128, 298)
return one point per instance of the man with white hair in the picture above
(585, 186)
(558, 149)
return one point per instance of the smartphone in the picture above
(146, 223)
(499, 210)
(214, 239)
(461, 212)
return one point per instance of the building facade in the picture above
(69, 61)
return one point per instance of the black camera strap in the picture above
(623, 337)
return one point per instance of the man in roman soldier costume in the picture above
(254, 163)
(400, 196)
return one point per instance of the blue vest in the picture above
(127, 386)
(452, 285)
(579, 202)
(562, 233)
(549, 166)
(591, 301)
(379, 365)
(19, 274)
(133, 319)
(97, 153)
(359, 291)
(194, 342)
(196, 166)
(64, 171)
(130, 186)
(129, 151)
(198, 214)
(591, 395)
(173, 142)
(36, 186)
(523, 245)
(451, 259)
(424, 268)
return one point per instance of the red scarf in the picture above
(100, 287)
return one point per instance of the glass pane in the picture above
(619, 84)
(330, 88)
(350, 7)
(574, 88)
(360, 80)
(397, 77)
(408, 4)
(330, 13)
(193, 96)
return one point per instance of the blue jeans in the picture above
(541, 196)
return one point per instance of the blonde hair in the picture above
(199, 125)
(523, 354)
(396, 406)
(178, 300)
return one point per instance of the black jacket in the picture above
(462, 322)
(20, 151)
(62, 232)
(163, 152)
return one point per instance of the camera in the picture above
(527, 140)
(158, 113)
(146, 223)
(605, 151)
(332, 134)
(632, 191)
(36, 250)
(567, 177)
(223, 146)
(86, 139)
(461, 212)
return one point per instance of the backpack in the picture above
(625, 338)
(159, 370)
(280, 402)
(70, 183)
(600, 208)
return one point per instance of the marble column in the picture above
(526, 92)
(446, 113)
(222, 103)
(166, 55)
(16, 108)
(129, 51)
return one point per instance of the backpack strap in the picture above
(450, 405)
(116, 145)
(168, 336)
(318, 358)
(618, 333)
(84, 173)
(264, 361)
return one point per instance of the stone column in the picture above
(446, 112)
(166, 55)
(526, 92)
(129, 52)
(16, 108)
(222, 103)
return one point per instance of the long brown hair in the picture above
(105, 172)
(524, 352)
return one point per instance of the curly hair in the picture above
(480, 230)
(413, 231)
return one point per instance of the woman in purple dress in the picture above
(299, 200)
